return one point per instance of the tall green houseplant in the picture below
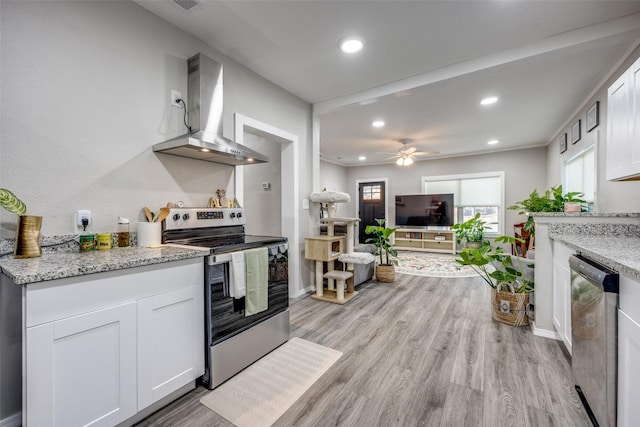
(381, 240)
(471, 231)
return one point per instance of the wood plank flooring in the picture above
(420, 351)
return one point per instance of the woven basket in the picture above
(385, 273)
(509, 308)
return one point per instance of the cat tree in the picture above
(327, 249)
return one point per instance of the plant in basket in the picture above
(510, 278)
(385, 269)
(471, 231)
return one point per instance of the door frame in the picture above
(386, 196)
(289, 177)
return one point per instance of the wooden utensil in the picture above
(164, 212)
(170, 205)
(148, 214)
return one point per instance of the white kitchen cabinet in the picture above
(81, 370)
(629, 353)
(623, 126)
(170, 337)
(103, 347)
(562, 292)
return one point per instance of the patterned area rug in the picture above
(432, 265)
(260, 394)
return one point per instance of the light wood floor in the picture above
(419, 351)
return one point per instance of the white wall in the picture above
(524, 171)
(264, 206)
(334, 178)
(85, 90)
(611, 196)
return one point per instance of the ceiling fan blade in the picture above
(408, 151)
(426, 153)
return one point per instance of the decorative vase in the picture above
(473, 245)
(385, 273)
(28, 237)
(509, 308)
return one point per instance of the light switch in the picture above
(305, 204)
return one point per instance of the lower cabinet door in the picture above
(628, 371)
(170, 343)
(81, 370)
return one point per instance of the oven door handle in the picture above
(219, 259)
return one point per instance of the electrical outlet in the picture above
(81, 215)
(174, 96)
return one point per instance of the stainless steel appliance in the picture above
(594, 304)
(205, 140)
(233, 340)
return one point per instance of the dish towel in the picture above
(257, 273)
(238, 277)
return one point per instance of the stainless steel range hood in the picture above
(205, 101)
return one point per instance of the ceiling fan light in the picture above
(400, 162)
(408, 161)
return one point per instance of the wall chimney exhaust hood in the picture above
(205, 100)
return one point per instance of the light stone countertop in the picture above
(586, 214)
(51, 266)
(620, 253)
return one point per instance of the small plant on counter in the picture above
(551, 201)
(11, 203)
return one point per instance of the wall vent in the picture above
(186, 4)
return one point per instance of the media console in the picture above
(411, 239)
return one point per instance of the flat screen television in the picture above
(421, 210)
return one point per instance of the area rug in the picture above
(432, 265)
(260, 394)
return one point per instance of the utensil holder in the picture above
(28, 237)
(149, 233)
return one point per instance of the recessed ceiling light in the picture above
(362, 158)
(377, 124)
(493, 142)
(489, 100)
(351, 44)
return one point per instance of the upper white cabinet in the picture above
(103, 347)
(623, 126)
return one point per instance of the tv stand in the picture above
(414, 239)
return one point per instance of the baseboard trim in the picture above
(545, 333)
(14, 420)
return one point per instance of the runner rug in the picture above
(260, 394)
(432, 265)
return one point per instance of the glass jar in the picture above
(123, 232)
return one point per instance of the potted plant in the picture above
(551, 201)
(510, 278)
(27, 244)
(385, 269)
(471, 231)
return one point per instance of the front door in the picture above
(372, 202)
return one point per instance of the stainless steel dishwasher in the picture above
(594, 335)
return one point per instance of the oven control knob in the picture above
(176, 217)
(232, 215)
(185, 216)
(239, 215)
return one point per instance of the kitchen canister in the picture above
(87, 242)
(149, 233)
(104, 241)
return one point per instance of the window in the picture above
(481, 193)
(371, 192)
(580, 174)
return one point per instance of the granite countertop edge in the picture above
(72, 264)
(616, 252)
(586, 214)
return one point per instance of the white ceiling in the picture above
(425, 65)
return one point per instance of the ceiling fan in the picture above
(406, 155)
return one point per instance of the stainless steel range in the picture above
(236, 332)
